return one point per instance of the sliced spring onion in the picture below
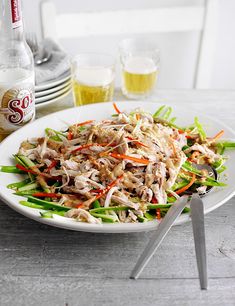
(200, 129)
(167, 113)
(158, 112)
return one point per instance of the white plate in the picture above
(53, 95)
(49, 91)
(63, 78)
(52, 101)
(96, 111)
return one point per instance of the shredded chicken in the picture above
(128, 162)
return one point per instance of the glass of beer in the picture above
(140, 66)
(93, 78)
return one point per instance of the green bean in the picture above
(171, 200)
(21, 162)
(149, 216)
(179, 185)
(30, 186)
(155, 206)
(18, 184)
(57, 134)
(96, 204)
(11, 169)
(31, 205)
(221, 169)
(209, 180)
(228, 144)
(105, 218)
(168, 123)
(46, 214)
(47, 204)
(26, 192)
(27, 162)
(114, 208)
(142, 219)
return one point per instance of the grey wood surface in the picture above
(42, 265)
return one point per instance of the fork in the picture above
(31, 39)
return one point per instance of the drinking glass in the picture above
(140, 66)
(93, 78)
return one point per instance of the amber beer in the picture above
(139, 75)
(140, 59)
(93, 78)
(17, 105)
(93, 86)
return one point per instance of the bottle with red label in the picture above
(17, 99)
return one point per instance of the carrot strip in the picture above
(104, 191)
(52, 165)
(79, 205)
(85, 122)
(158, 213)
(116, 108)
(137, 116)
(218, 135)
(135, 159)
(45, 194)
(26, 170)
(137, 142)
(82, 147)
(181, 190)
(46, 175)
(70, 135)
(87, 146)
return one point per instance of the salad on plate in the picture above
(129, 168)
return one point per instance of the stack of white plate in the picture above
(53, 91)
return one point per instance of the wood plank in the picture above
(48, 251)
(64, 291)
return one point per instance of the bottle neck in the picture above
(11, 23)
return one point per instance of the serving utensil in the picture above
(197, 215)
(163, 228)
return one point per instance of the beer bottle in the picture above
(17, 99)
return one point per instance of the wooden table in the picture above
(41, 265)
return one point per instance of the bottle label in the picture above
(17, 107)
(16, 14)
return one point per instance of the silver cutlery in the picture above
(41, 53)
(163, 228)
(197, 216)
(31, 39)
